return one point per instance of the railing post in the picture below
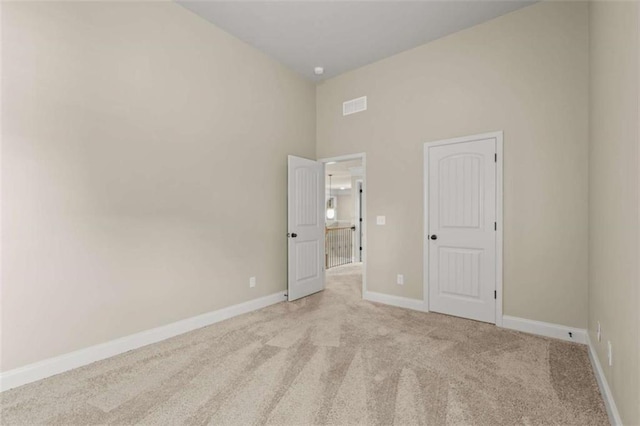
(338, 246)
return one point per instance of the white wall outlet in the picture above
(400, 279)
(381, 220)
(599, 332)
(609, 353)
(252, 282)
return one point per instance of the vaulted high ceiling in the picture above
(344, 35)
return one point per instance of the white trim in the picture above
(359, 214)
(52, 366)
(363, 157)
(500, 227)
(607, 395)
(546, 329)
(399, 301)
(498, 136)
(579, 336)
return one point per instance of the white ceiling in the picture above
(344, 35)
(341, 175)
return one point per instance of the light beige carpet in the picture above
(328, 359)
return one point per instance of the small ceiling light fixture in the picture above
(318, 70)
(342, 188)
(331, 211)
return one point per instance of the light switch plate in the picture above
(381, 220)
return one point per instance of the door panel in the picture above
(459, 272)
(305, 227)
(460, 187)
(307, 260)
(461, 216)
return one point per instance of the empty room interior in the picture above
(320, 212)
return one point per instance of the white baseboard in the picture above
(546, 329)
(401, 302)
(52, 366)
(607, 396)
(579, 336)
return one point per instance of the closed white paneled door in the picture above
(461, 179)
(305, 227)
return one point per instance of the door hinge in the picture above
(495, 226)
(495, 158)
(360, 248)
(360, 219)
(495, 294)
(361, 191)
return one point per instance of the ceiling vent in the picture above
(354, 105)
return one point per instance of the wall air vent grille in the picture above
(354, 105)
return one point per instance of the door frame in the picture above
(498, 136)
(359, 215)
(362, 157)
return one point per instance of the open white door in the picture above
(306, 227)
(462, 226)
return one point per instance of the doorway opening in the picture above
(314, 211)
(345, 214)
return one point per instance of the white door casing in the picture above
(305, 227)
(357, 249)
(363, 225)
(462, 245)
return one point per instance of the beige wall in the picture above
(138, 139)
(144, 171)
(525, 73)
(614, 295)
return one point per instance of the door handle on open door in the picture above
(294, 235)
(434, 237)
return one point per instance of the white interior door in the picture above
(306, 227)
(462, 224)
